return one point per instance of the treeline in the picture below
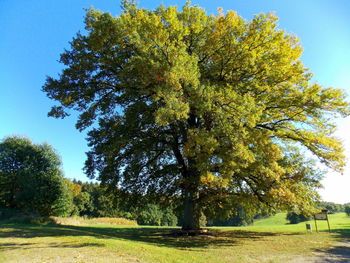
(94, 200)
(333, 207)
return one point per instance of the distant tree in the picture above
(185, 104)
(31, 178)
(94, 200)
(76, 186)
(105, 204)
(168, 217)
(347, 210)
(83, 203)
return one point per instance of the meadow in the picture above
(268, 240)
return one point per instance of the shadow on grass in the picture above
(338, 253)
(343, 232)
(13, 246)
(150, 235)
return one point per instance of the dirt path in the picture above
(339, 252)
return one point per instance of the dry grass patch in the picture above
(78, 221)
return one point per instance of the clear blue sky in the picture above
(34, 32)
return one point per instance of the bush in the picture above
(152, 214)
(6, 213)
(17, 216)
(295, 218)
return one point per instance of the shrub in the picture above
(17, 216)
(295, 218)
(152, 214)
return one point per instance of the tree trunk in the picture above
(191, 220)
(191, 175)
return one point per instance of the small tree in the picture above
(31, 179)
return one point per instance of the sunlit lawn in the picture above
(268, 240)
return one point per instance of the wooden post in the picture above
(316, 223)
(329, 228)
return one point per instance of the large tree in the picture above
(31, 178)
(184, 104)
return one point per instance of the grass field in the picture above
(268, 240)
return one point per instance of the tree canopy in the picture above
(188, 106)
(31, 179)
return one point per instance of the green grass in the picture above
(268, 240)
(339, 223)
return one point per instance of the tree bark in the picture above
(192, 212)
(191, 175)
